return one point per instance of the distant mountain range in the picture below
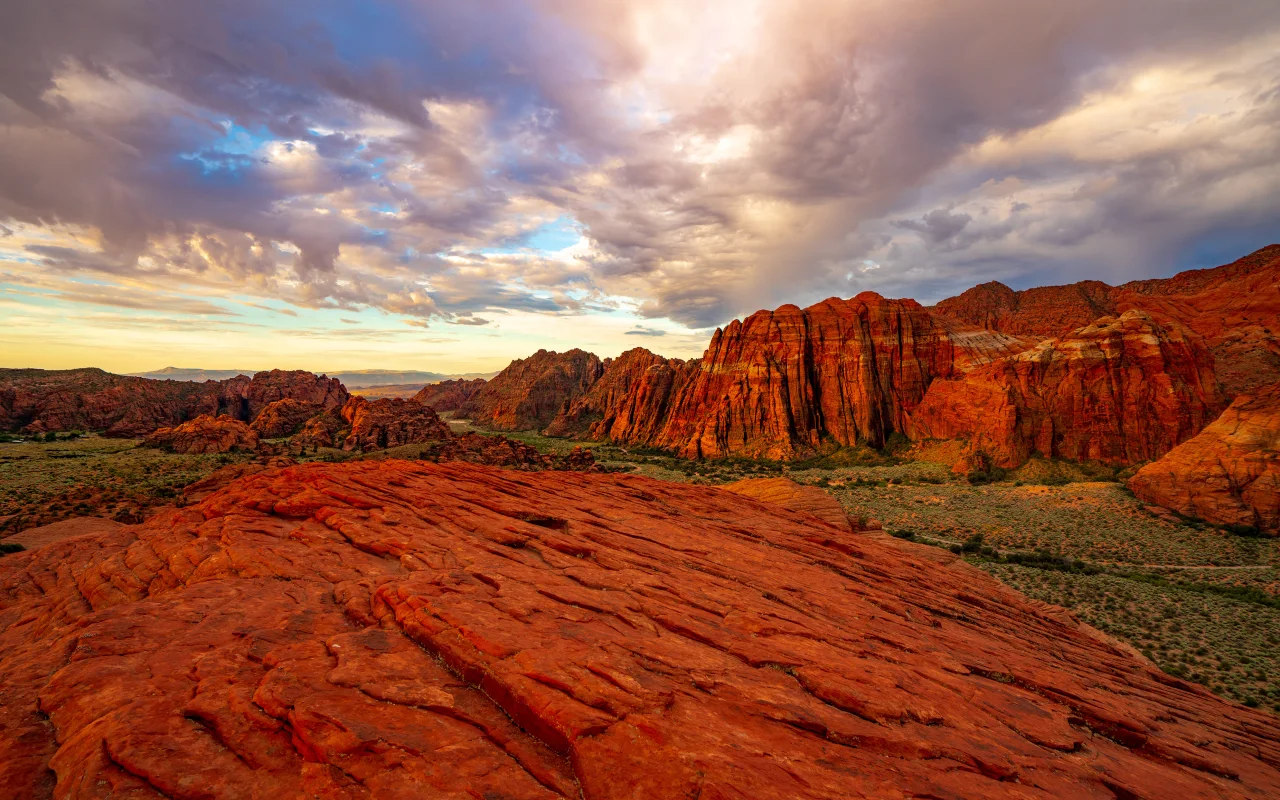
(352, 380)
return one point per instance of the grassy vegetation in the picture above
(43, 482)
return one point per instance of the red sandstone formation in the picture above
(284, 417)
(1227, 475)
(499, 451)
(399, 629)
(803, 499)
(630, 402)
(782, 384)
(90, 399)
(1235, 307)
(204, 434)
(390, 422)
(34, 538)
(1119, 391)
(529, 393)
(449, 395)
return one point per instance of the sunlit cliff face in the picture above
(449, 185)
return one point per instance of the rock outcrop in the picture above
(36, 401)
(449, 395)
(803, 499)
(284, 417)
(402, 629)
(499, 451)
(390, 422)
(1119, 391)
(629, 403)
(529, 393)
(1235, 307)
(205, 434)
(1230, 473)
(782, 384)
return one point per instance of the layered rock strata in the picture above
(1119, 391)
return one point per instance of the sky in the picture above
(419, 184)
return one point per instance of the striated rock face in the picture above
(787, 493)
(1230, 473)
(390, 422)
(1235, 307)
(205, 434)
(400, 629)
(1119, 391)
(90, 399)
(529, 393)
(629, 403)
(284, 418)
(499, 451)
(783, 383)
(449, 395)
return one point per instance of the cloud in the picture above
(715, 158)
(640, 330)
(468, 321)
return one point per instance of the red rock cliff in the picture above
(529, 393)
(398, 629)
(630, 402)
(448, 395)
(1230, 473)
(1235, 307)
(1120, 391)
(783, 383)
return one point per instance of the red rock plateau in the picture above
(529, 393)
(1235, 307)
(397, 629)
(89, 399)
(284, 417)
(1227, 475)
(205, 434)
(1118, 391)
(449, 395)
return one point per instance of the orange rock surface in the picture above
(390, 422)
(205, 434)
(781, 384)
(284, 417)
(394, 629)
(1119, 391)
(449, 395)
(1230, 473)
(529, 393)
(1235, 307)
(787, 493)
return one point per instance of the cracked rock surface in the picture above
(397, 629)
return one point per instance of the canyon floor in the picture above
(1200, 602)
